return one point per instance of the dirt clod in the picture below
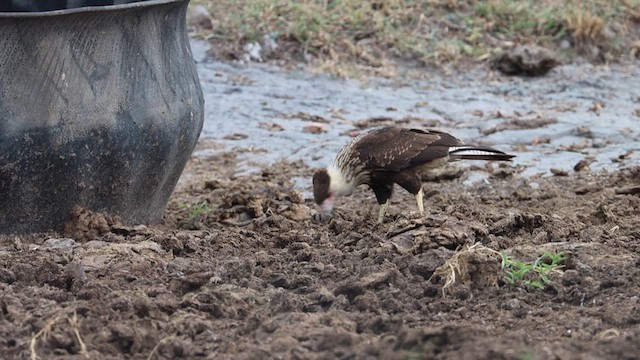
(85, 224)
(530, 60)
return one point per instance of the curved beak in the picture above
(327, 205)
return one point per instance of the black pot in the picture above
(100, 107)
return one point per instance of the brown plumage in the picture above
(386, 156)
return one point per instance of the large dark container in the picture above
(100, 106)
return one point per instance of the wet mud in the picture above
(241, 267)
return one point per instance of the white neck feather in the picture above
(340, 185)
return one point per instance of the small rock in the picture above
(213, 184)
(62, 243)
(7, 276)
(351, 289)
(582, 164)
(200, 17)
(323, 297)
(512, 304)
(378, 279)
(189, 283)
(236, 136)
(632, 190)
(597, 107)
(588, 188)
(298, 212)
(95, 244)
(540, 140)
(271, 126)
(403, 244)
(584, 131)
(559, 172)
(530, 60)
(315, 128)
(626, 155)
(75, 273)
(253, 51)
(122, 229)
(328, 340)
(280, 280)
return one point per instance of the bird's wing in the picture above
(395, 149)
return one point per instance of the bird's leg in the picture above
(383, 211)
(410, 181)
(419, 197)
(383, 191)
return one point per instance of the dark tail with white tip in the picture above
(478, 153)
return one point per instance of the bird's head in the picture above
(328, 184)
(322, 192)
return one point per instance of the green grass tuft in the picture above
(198, 210)
(535, 274)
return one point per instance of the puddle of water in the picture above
(244, 104)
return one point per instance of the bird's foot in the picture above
(322, 217)
(382, 212)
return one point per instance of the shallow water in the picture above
(254, 108)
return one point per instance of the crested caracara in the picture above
(392, 155)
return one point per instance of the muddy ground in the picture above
(254, 275)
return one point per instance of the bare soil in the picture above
(255, 275)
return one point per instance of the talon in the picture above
(322, 217)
